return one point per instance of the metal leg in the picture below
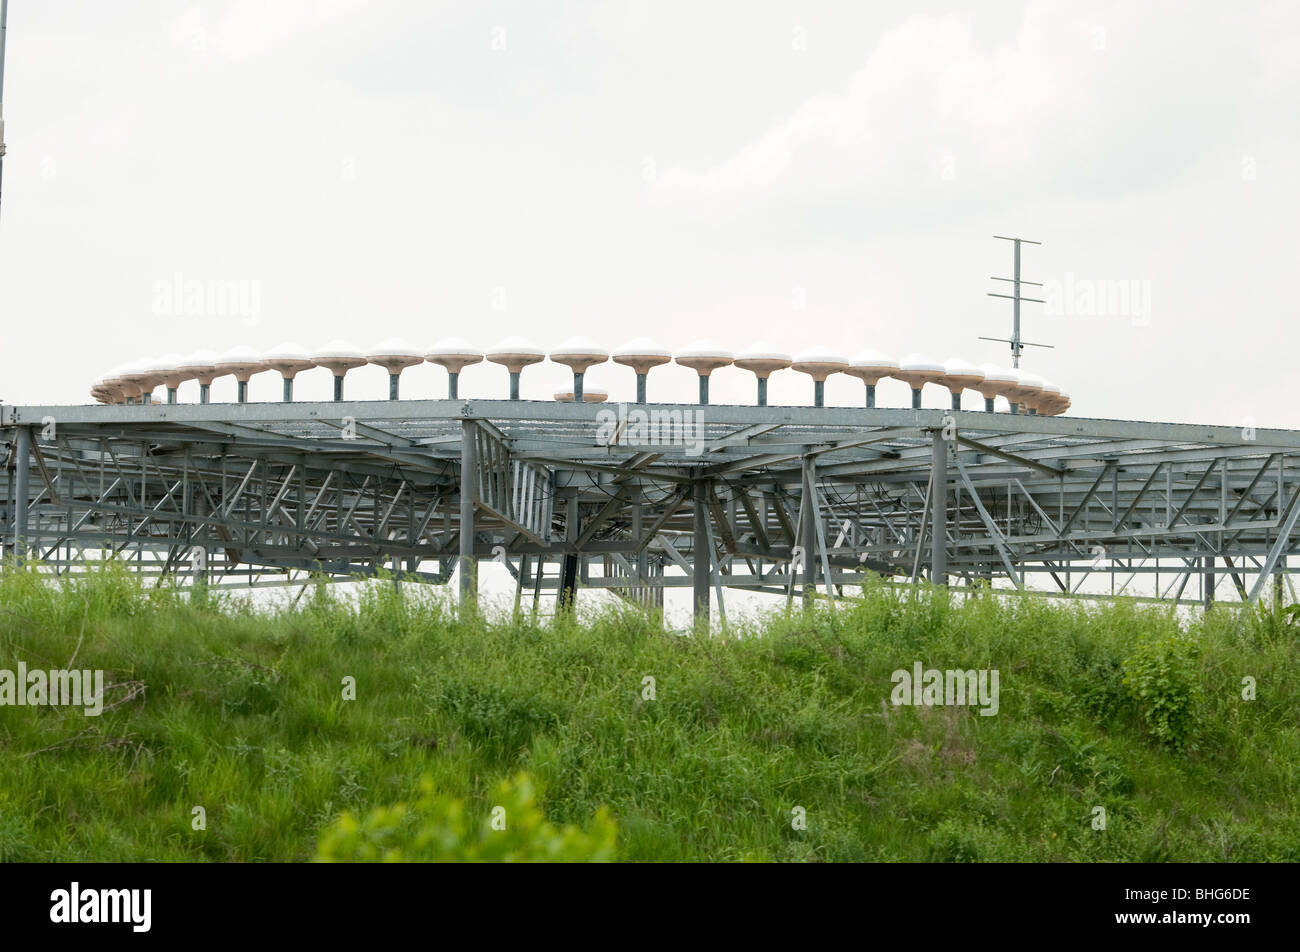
(468, 498)
(700, 549)
(939, 511)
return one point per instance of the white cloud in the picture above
(1091, 98)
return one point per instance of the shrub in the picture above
(1161, 677)
(438, 828)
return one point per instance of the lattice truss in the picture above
(636, 499)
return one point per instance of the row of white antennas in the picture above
(135, 382)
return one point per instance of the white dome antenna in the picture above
(916, 370)
(290, 360)
(395, 355)
(642, 355)
(579, 355)
(870, 366)
(338, 357)
(819, 363)
(515, 353)
(762, 361)
(455, 355)
(704, 357)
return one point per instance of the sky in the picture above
(183, 176)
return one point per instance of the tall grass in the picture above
(240, 711)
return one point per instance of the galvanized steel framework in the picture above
(639, 498)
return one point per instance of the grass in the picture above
(240, 711)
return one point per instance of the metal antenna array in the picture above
(1017, 345)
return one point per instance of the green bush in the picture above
(1161, 676)
(440, 829)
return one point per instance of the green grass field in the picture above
(240, 711)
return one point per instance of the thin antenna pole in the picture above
(1015, 331)
(4, 29)
(1018, 345)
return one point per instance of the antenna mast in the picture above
(4, 28)
(1017, 345)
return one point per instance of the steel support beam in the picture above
(703, 566)
(468, 498)
(939, 509)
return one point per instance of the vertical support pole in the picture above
(819, 393)
(939, 510)
(700, 550)
(205, 389)
(171, 394)
(468, 501)
(916, 398)
(288, 390)
(762, 391)
(640, 387)
(1207, 563)
(577, 387)
(453, 385)
(956, 399)
(22, 492)
(243, 391)
(704, 389)
(392, 385)
(988, 404)
(871, 396)
(514, 385)
(568, 593)
(199, 541)
(638, 527)
(808, 533)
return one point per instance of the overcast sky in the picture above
(809, 173)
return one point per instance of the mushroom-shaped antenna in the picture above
(917, 370)
(704, 357)
(1047, 399)
(641, 355)
(99, 392)
(454, 354)
(515, 353)
(108, 389)
(819, 363)
(338, 357)
(762, 360)
(578, 354)
(143, 376)
(169, 369)
(1028, 391)
(129, 392)
(959, 375)
(289, 360)
(997, 383)
(589, 395)
(395, 355)
(243, 362)
(869, 366)
(202, 366)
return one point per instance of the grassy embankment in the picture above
(242, 712)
